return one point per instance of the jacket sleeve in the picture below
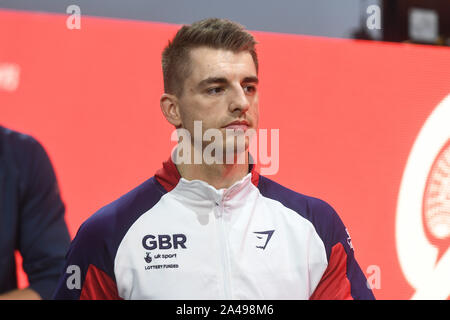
(89, 268)
(43, 238)
(343, 279)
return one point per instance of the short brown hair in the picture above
(214, 33)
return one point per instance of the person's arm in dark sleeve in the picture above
(43, 235)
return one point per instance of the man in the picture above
(212, 230)
(31, 218)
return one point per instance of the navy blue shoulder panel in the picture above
(324, 218)
(328, 225)
(99, 237)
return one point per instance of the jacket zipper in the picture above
(223, 239)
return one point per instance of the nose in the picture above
(239, 101)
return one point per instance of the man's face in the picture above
(221, 91)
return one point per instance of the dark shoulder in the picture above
(24, 156)
(108, 225)
(308, 206)
(18, 143)
(99, 237)
(320, 213)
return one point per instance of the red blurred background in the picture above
(348, 113)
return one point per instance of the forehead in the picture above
(209, 62)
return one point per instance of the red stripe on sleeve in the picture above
(334, 284)
(98, 286)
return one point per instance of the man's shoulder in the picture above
(20, 146)
(25, 160)
(13, 136)
(304, 205)
(320, 213)
(114, 219)
(99, 237)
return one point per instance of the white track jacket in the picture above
(170, 238)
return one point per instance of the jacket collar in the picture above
(169, 176)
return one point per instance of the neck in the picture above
(219, 176)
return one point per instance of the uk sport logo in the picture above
(162, 260)
(148, 257)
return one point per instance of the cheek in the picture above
(209, 112)
(208, 118)
(190, 110)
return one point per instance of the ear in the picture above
(170, 109)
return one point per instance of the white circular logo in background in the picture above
(436, 202)
(423, 209)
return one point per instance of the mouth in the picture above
(237, 125)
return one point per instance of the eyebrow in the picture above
(222, 80)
